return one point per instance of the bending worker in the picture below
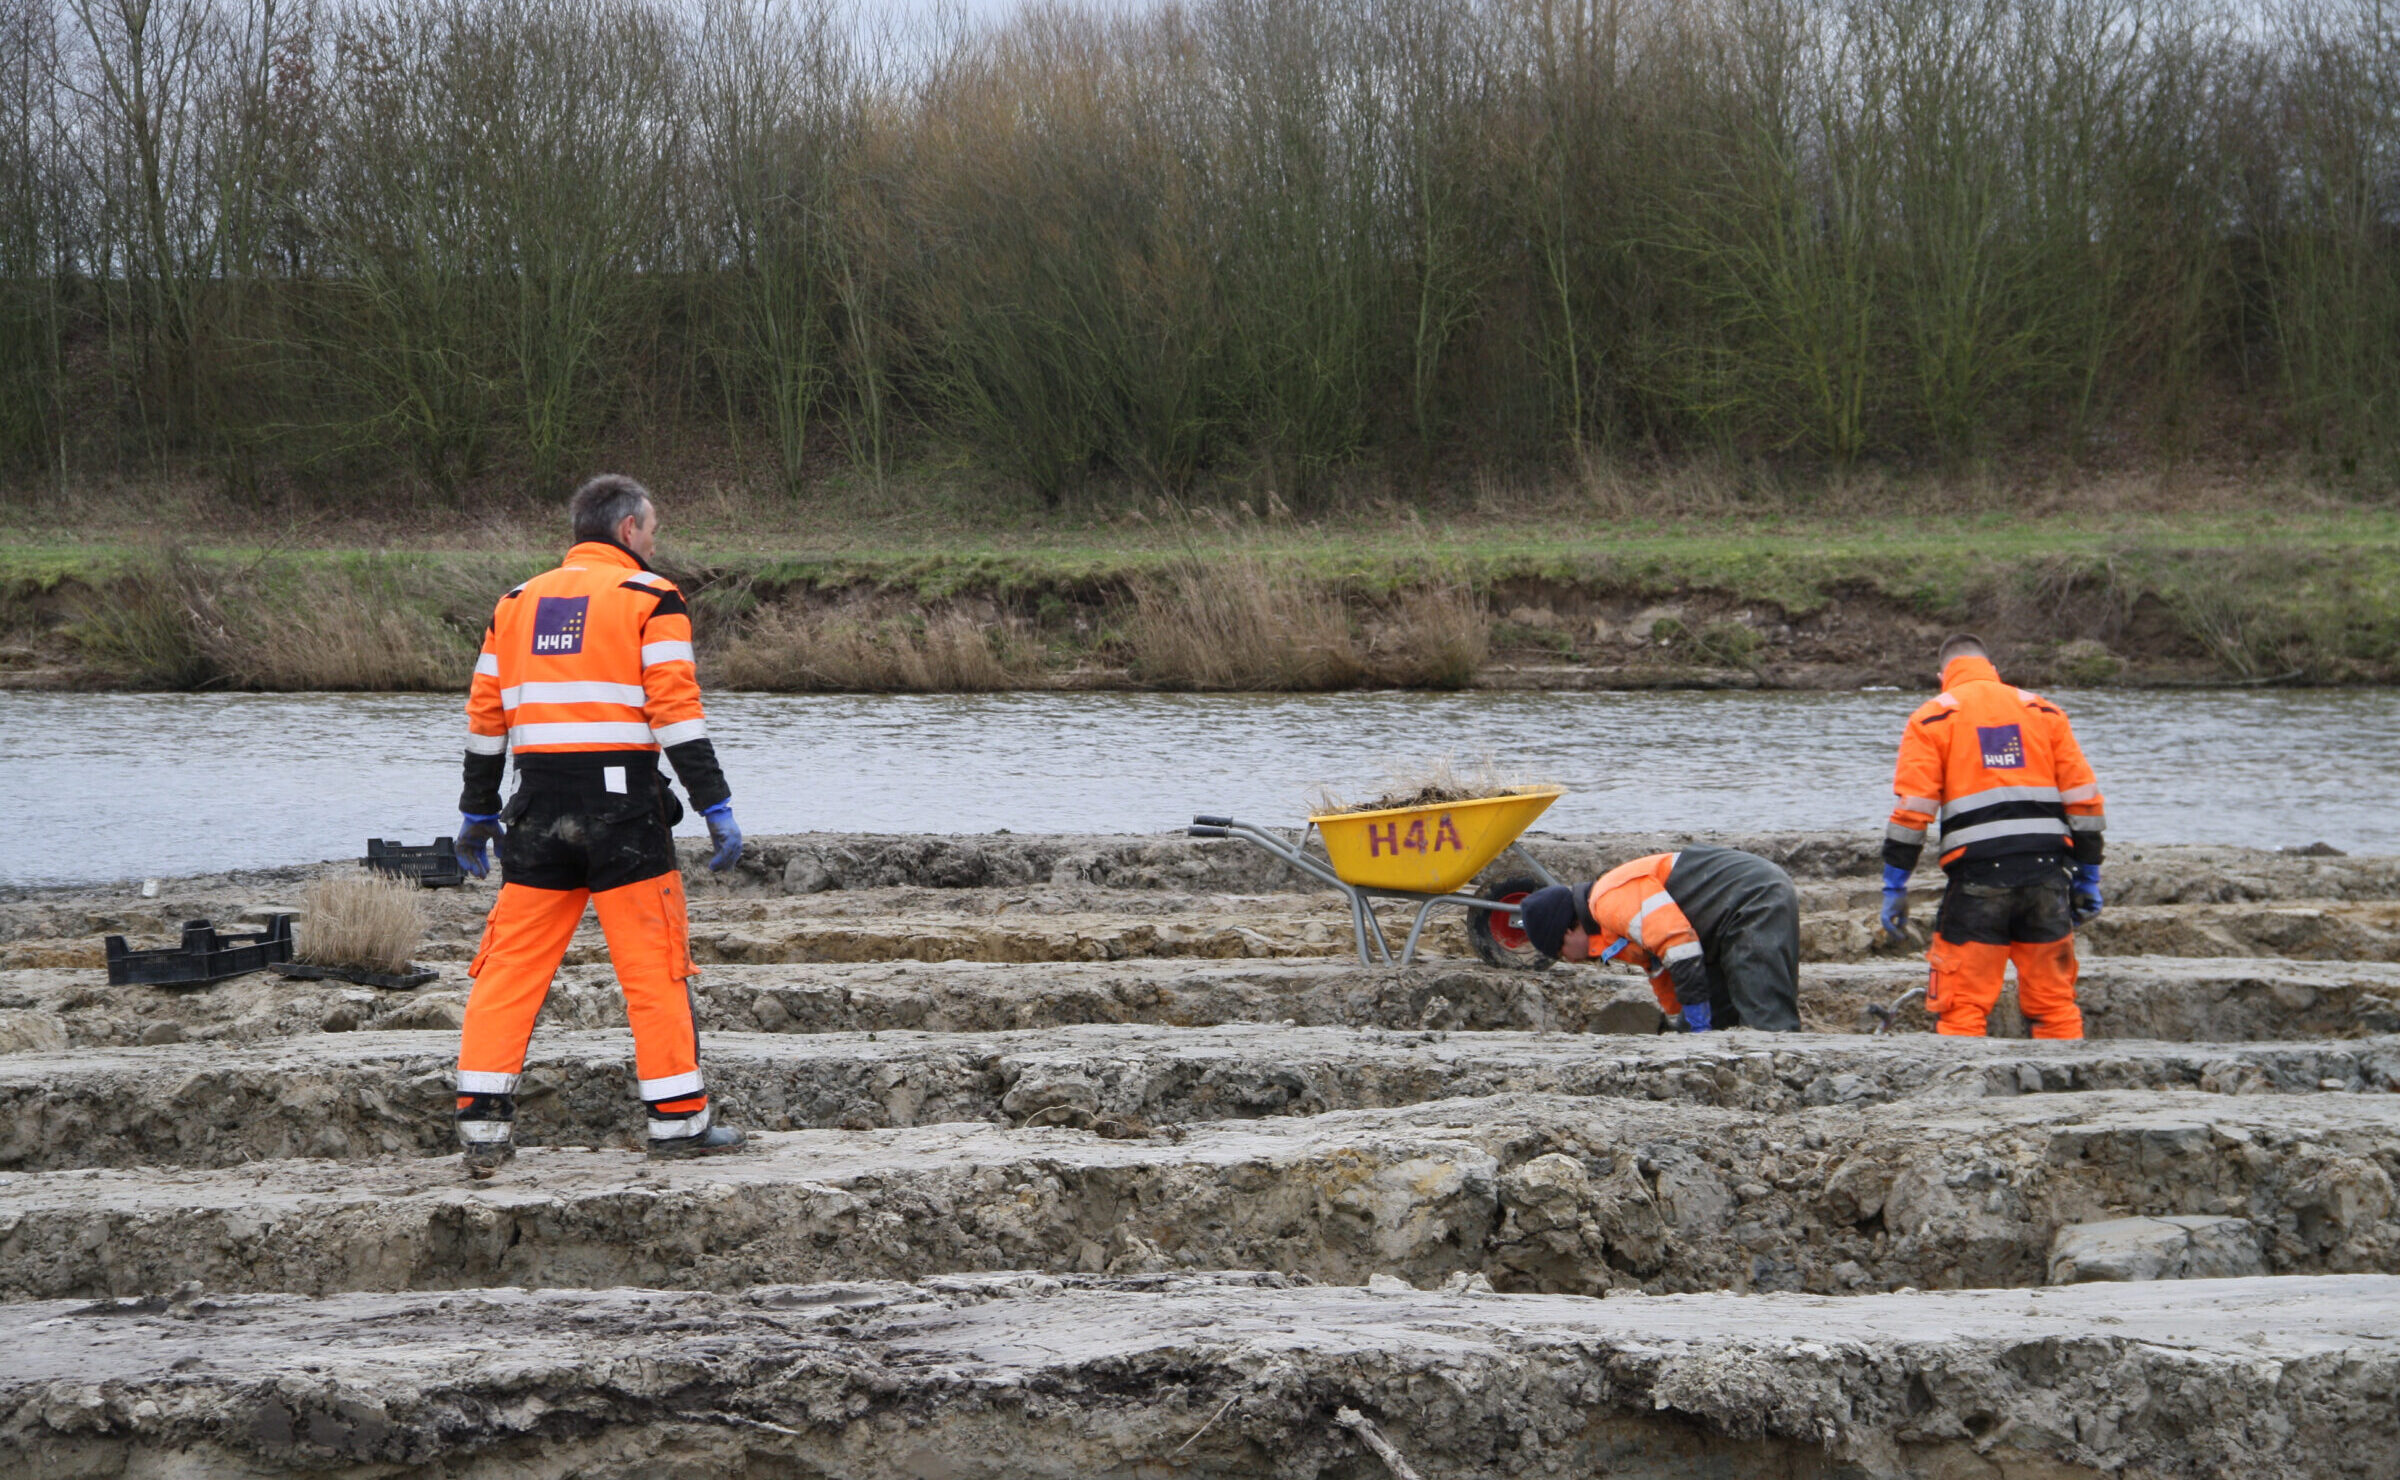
(586, 673)
(1996, 774)
(1717, 929)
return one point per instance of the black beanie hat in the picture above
(1548, 915)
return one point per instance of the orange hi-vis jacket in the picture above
(1998, 769)
(595, 656)
(1631, 916)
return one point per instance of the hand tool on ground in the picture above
(1885, 1016)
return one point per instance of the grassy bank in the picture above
(1530, 597)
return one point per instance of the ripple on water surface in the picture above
(124, 785)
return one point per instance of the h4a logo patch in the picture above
(2003, 747)
(558, 624)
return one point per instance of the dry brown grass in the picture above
(1432, 636)
(843, 652)
(331, 635)
(177, 623)
(361, 921)
(1240, 622)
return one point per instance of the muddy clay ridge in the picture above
(1104, 1156)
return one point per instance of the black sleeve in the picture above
(1902, 855)
(481, 794)
(2086, 847)
(1691, 979)
(696, 767)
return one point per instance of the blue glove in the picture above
(1696, 1017)
(474, 830)
(2087, 892)
(1895, 900)
(726, 834)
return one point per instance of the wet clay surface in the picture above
(1241, 1376)
(366, 1095)
(1534, 1191)
(1120, 1163)
(2181, 999)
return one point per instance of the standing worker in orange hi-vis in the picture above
(1716, 929)
(586, 674)
(1994, 772)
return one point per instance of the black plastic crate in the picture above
(434, 866)
(206, 955)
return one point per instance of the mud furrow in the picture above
(1026, 1376)
(372, 1094)
(1534, 1191)
(2123, 998)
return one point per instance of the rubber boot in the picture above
(710, 1142)
(486, 1131)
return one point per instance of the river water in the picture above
(116, 786)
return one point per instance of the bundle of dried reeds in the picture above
(362, 922)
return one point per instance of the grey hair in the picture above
(1963, 645)
(599, 506)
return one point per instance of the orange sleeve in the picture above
(1918, 782)
(2078, 786)
(670, 679)
(1662, 988)
(2078, 789)
(487, 719)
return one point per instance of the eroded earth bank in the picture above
(1105, 1156)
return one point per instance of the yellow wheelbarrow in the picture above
(1425, 855)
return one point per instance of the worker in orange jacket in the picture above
(586, 675)
(1994, 773)
(1716, 929)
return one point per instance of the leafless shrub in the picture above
(360, 921)
(1171, 245)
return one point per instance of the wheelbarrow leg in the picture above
(1358, 926)
(1373, 929)
(1408, 954)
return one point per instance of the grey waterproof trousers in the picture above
(1747, 916)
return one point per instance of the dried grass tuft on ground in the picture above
(946, 653)
(360, 921)
(1427, 784)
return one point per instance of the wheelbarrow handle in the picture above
(1220, 823)
(1206, 830)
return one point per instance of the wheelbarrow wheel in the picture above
(1498, 940)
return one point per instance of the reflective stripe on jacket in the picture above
(593, 656)
(1988, 770)
(1632, 914)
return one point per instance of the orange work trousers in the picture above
(648, 944)
(1965, 986)
(1984, 926)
